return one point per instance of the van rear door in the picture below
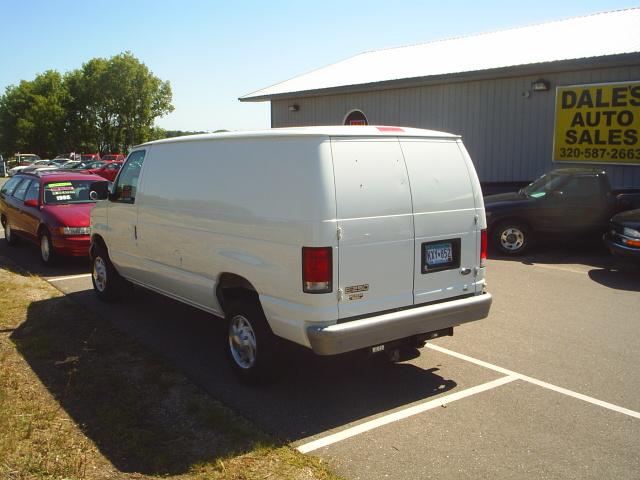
(445, 219)
(375, 225)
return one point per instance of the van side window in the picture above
(127, 182)
(21, 191)
(10, 186)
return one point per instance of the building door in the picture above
(356, 117)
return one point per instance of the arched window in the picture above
(355, 117)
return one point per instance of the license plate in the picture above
(439, 254)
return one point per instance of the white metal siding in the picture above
(509, 137)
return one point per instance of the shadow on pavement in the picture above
(590, 253)
(93, 382)
(28, 256)
(312, 394)
(627, 279)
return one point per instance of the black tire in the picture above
(512, 237)
(48, 255)
(9, 236)
(107, 282)
(250, 344)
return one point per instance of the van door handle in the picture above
(465, 271)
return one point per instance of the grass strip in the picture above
(80, 400)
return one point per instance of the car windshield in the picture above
(63, 192)
(545, 184)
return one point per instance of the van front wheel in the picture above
(107, 282)
(251, 344)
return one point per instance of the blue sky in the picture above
(212, 52)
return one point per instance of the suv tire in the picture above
(512, 237)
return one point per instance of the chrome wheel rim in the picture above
(7, 232)
(512, 239)
(99, 274)
(45, 248)
(242, 342)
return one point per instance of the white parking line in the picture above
(402, 414)
(535, 381)
(561, 268)
(69, 277)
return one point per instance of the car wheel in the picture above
(47, 253)
(251, 346)
(8, 234)
(107, 282)
(512, 237)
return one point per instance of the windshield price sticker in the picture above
(598, 123)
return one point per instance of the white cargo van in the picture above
(335, 238)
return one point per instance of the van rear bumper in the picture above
(376, 330)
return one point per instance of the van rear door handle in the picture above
(465, 271)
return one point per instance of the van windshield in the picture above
(68, 191)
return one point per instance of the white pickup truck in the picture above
(335, 238)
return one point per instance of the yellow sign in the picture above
(598, 123)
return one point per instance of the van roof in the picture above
(327, 131)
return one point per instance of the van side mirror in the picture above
(112, 192)
(99, 191)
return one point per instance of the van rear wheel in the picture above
(251, 346)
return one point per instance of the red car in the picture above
(113, 157)
(89, 157)
(50, 209)
(107, 170)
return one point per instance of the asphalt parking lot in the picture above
(546, 387)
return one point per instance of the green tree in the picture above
(107, 105)
(33, 115)
(114, 102)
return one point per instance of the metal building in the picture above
(502, 91)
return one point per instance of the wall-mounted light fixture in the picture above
(294, 108)
(540, 85)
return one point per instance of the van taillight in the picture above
(483, 247)
(317, 269)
